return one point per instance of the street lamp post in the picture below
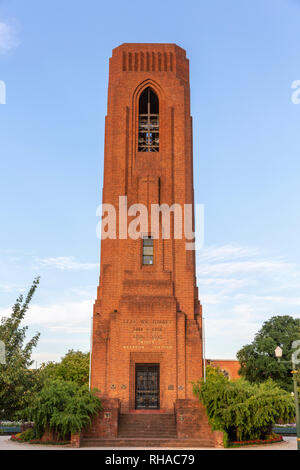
(294, 372)
(278, 354)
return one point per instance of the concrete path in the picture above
(289, 443)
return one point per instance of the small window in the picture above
(148, 250)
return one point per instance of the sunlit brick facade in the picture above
(147, 328)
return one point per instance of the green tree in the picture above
(73, 367)
(17, 381)
(243, 410)
(258, 361)
(63, 407)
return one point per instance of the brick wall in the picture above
(192, 422)
(229, 366)
(105, 423)
(132, 299)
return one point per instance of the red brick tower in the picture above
(147, 340)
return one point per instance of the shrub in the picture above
(27, 435)
(63, 407)
(243, 411)
(73, 367)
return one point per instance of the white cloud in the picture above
(240, 288)
(7, 287)
(225, 336)
(231, 283)
(85, 292)
(68, 317)
(57, 340)
(8, 38)
(243, 267)
(65, 263)
(65, 314)
(212, 299)
(223, 252)
(69, 329)
(43, 357)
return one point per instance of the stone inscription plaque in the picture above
(147, 332)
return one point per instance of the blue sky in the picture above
(244, 57)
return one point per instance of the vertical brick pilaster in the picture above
(76, 440)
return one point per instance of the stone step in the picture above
(145, 429)
(125, 430)
(146, 423)
(147, 426)
(149, 435)
(147, 417)
(153, 442)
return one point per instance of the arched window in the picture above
(148, 140)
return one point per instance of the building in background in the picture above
(229, 367)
